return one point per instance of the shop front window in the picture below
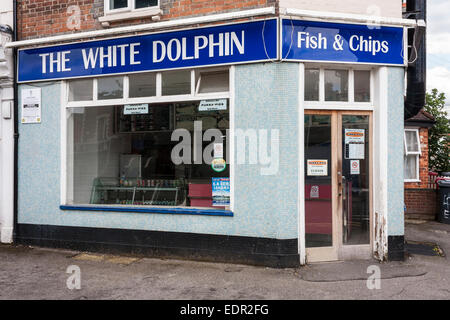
(110, 88)
(312, 84)
(144, 151)
(119, 158)
(337, 86)
(362, 86)
(81, 90)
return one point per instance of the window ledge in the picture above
(412, 181)
(158, 210)
(112, 17)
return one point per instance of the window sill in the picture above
(112, 17)
(412, 181)
(158, 210)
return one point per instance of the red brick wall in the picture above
(423, 162)
(421, 203)
(42, 18)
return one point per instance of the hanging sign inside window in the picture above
(245, 42)
(221, 192)
(339, 42)
(317, 168)
(31, 105)
(213, 105)
(218, 150)
(135, 109)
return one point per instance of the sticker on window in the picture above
(318, 168)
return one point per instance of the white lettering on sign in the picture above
(312, 42)
(356, 43)
(224, 44)
(55, 59)
(107, 56)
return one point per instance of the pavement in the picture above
(40, 273)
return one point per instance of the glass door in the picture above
(337, 185)
(320, 186)
(355, 180)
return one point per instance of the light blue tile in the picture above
(395, 156)
(266, 206)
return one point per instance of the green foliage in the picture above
(439, 135)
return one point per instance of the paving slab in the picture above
(41, 273)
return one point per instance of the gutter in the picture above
(145, 27)
(346, 17)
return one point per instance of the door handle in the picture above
(342, 186)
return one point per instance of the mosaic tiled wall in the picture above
(268, 103)
(395, 152)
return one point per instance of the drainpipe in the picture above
(416, 73)
(16, 123)
(7, 139)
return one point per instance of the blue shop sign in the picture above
(346, 43)
(209, 46)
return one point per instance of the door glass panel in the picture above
(318, 181)
(355, 179)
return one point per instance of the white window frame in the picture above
(66, 197)
(130, 12)
(131, 7)
(159, 98)
(321, 104)
(417, 154)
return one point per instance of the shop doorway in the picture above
(338, 185)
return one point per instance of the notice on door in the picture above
(355, 167)
(356, 151)
(317, 168)
(31, 105)
(355, 144)
(354, 136)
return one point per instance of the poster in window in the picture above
(354, 136)
(31, 105)
(221, 192)
(317, 168)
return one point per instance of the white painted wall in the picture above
(6, 12)
(6, 129)
(384, 8)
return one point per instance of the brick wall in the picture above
(42, 18)
(420, 201)
(423, 163)
(421, 204)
